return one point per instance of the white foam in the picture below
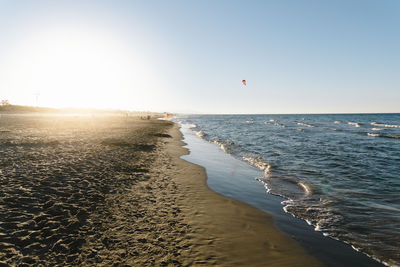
(355, 124)
(286, 204)
(259, 163)
(377, 129)
(337, 122)
(200, 134)
(385, 125)
(306, 188)
(386, 136)
(285, 209)
(265, 185)
(305, 124)
(221, 145)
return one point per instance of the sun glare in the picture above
(71, 68)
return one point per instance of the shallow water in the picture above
(340, 173)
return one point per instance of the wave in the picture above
(305, 124)
(322, 218)
(377, 129)
(289, 188)
(306, 188)
(383, 135)
(273, 122)
(221, 145)
(337, 122)
(265, 185)
(200, 134)
(259, 163)
(385, 125)
(225, 146)
(355, 124)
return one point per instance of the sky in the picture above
(297, 56)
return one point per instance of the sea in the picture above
(338, 172)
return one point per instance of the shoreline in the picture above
(88, 191)
(232, 177)
(227, 231)
(115, 190)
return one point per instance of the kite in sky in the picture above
(244, 82)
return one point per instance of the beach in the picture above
(114, 191)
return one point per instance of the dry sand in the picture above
(113, 191)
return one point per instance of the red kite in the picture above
(244, 82)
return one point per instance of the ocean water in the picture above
(340, 173)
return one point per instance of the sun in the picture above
(78, 68)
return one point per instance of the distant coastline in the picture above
(20, 109)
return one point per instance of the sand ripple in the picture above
(83, 191)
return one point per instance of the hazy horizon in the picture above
(298, 57)
(189, 113)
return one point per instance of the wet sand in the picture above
(113, 191)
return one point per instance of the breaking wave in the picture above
(355, 124)
(200, 134)
(385, 125)
(383, 135)
(305, 124)
(225, 146)
(259, 163)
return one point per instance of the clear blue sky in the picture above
(311, 56)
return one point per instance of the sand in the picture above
(112, 191)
